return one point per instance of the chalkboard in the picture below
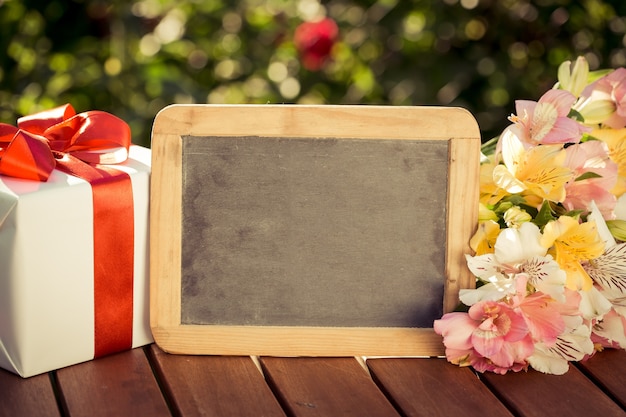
(309, 230)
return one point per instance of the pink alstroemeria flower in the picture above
(456, 329)
(617, 81)
(591, 159)
(546, 121)
(499, 327)
(610, 89)
(490, 337)
(515, 350)
(543, 317)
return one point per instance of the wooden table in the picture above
(148, 382)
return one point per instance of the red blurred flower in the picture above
(314, 41)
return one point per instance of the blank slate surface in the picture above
(290, 230)
(311, 231)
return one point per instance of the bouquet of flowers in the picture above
(550, 251)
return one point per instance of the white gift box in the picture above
(46, 268)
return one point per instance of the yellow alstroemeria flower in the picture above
(571, 242)
(538, 170)
(485, 213)
(615, 139)
(484, 240)
(490, 193)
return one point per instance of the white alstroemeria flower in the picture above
(612, 329)
(546, 276)
(517, 252)
(515, 246)
(609, 270)
(573, 345)
(497, 288)
(619, 305)
(601, 227)
(593, 304)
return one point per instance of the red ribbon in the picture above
(77, 144)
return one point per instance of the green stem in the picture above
(489, 147)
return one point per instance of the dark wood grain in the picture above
(32, 397)
(219, 386)
(608, 370)
(116, 385)
(149, 382)
(334, 387)
(433, 387)
(533, 394)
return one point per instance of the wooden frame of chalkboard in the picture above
(221, 224)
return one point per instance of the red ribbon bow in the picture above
(77, 144)
(30, 150)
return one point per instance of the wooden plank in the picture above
(165, 246)
(32, 397)
(315, 341)
(433, 387)
(533, 394)
(337, 387)
(461, 188)
(608, 369)
(214, 385)
(116, 385)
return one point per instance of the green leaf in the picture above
(587, 137)
(545, 215)
(588, 175)
(515, 199)
(573, 114)
(461, 308)
(595, 75)
(573, 213)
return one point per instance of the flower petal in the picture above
(483, 266)
(572, 346)
(609, 270)
(493, 291)
(514, 246)
(456, 329)
(612, 328)
(593, 304)
(542, 317)
(560, 100)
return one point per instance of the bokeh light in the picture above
(132, 58)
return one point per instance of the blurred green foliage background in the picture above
(132, 58)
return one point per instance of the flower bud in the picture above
(515, 216)
(617, 229)
(596, 111)
(485, 214)
(574, 80)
